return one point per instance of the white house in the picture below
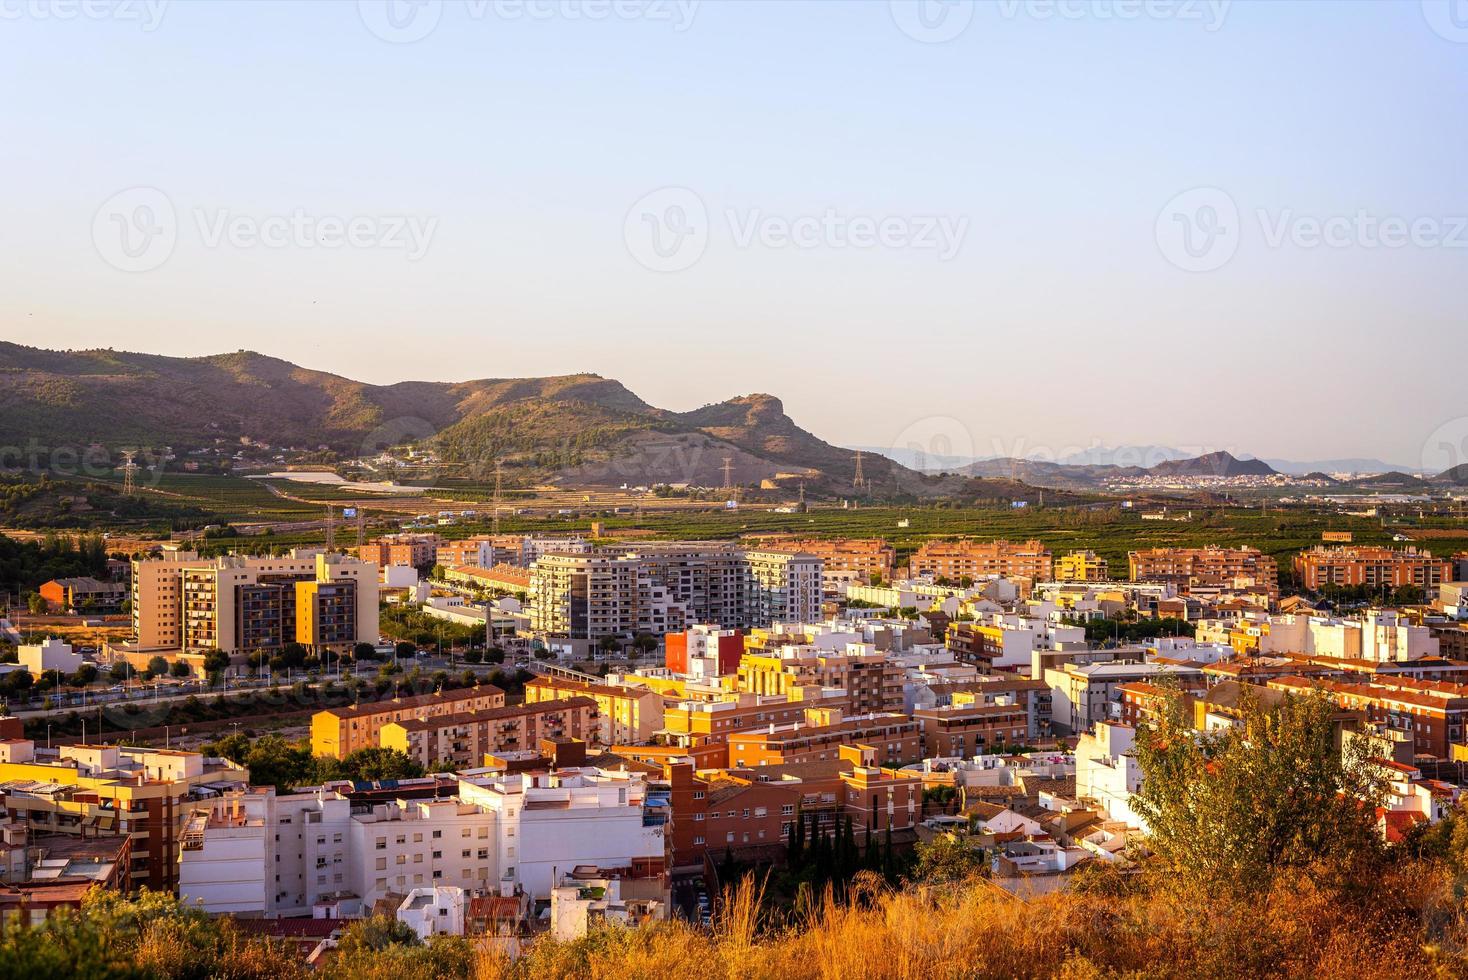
(53, 654)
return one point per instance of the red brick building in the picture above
(892, 739)
(964, 730)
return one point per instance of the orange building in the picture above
(338, 732)
(964, 730)
(845, 560)
(500, 578)
(477, 552)
(983, 559)
(624, 714)
(693, 723)
(752, 811)
(1371, 567)
(872, 683)
(463, 740)
(890, 739)
(1210, 566)
(417, 550)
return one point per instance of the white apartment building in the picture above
(665, 587)
(1378, 635)
(497, 832)
(1108, 773)
(1083, 694)
(254, 851)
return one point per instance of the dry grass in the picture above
(975, 930)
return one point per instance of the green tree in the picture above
(85, 674)
(179, 669)
(368, 765)
(272, 760)
(1229, 808)
(947, 857)
(157, 666)
(375, 935)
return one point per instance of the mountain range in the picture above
(579, 429)
(1138, 456)
(571, 430)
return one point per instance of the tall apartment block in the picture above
(240, 604)
(664, 588)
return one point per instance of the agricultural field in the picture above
(295, 509)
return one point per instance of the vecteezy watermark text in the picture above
(1201, 229)
(936, 21)
(136, 230)
(407, 21)
(147, 14)
(669, 229)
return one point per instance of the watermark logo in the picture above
(667, 230)
(933, 444)
(147, 14)
(932, 21)
(1201, 229)
(135, 230)
(1362, 230)
(1209, 13)
(1448, 19)
(1198, 230)
(408, 21)
(670, 229)
(400, 21)
(1445, 452)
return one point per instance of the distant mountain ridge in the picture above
(579, 428)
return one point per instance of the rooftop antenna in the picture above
(330, 529)
(361, 527)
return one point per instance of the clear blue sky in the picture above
(525, 136)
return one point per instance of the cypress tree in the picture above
(873, 860)
(797, 841)
(889, 866)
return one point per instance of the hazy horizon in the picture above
(1002, 229)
